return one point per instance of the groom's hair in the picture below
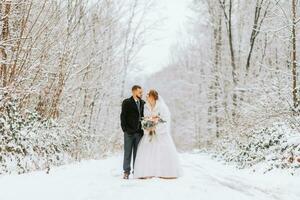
(135, 87)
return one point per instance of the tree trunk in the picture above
(228, 22)
(294, 59)
(6, 6)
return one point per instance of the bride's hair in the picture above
(154, 94)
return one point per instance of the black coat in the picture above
(130, 121)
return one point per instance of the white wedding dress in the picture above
(157, 155)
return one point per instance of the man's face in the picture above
(139, 93)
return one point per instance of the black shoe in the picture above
(126, 175)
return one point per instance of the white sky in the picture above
(155, 55)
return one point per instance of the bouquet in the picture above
(150, 123)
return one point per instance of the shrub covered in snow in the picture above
(276, 147)
(29, 142)
(26, 142)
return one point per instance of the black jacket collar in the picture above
(142, 102)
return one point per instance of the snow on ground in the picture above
(204, 179)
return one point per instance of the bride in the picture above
(156, 154)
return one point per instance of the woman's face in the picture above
(150, 99)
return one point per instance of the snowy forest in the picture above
(231, 81)
(232, 85)
(63, 65)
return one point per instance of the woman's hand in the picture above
(155, 118)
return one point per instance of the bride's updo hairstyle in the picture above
(154, 94)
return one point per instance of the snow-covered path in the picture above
(204, 179)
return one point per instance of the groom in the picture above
(131, 114)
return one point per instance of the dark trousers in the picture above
(131, 142)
